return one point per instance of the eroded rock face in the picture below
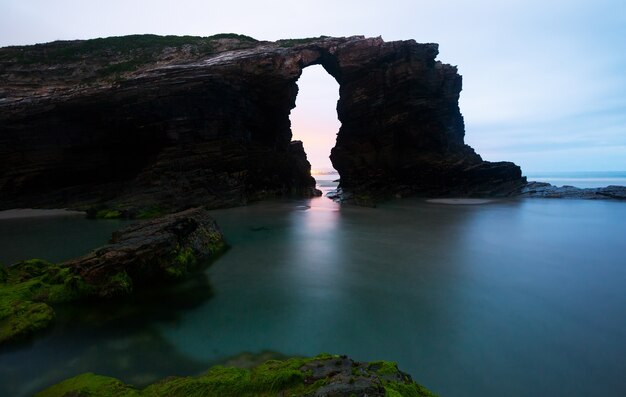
(207, 123)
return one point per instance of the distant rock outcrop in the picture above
(546, 190)
(172, 122)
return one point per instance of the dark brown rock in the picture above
(156, 250)
(130, 124)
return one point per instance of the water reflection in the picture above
(113, 338)
(515, 298)
(54, 238)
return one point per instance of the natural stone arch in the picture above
(402, 131)
(214, 129)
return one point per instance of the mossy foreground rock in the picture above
(323, 375)
(160, 250)
(26, 291)
(165, 248)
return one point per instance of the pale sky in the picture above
(544, 82)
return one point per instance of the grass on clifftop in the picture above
(114, 56)
(294, 42)
(74, 50)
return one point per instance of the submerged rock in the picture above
(160, 250)
(139, 122)
(324, 375)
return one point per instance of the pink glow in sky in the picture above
(314, 120)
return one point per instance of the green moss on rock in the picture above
(294, 42)
(384, 367)
(108, 214)
(27, 289)
(23, 318)
(119, 284)
(163, 249)
(67, 51)
(90, 385)
(150, 213)
(321, 375)
(399, 389)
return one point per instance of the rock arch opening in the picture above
(314, 121)
(219, 131)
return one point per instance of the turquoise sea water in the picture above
(509, 298)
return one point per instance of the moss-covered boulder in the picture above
(27, 289)
(324, 375)
(163, 250)
(166, 248)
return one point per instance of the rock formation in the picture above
(546, 190)
(324, 375)
(162, 250)
(172, 122)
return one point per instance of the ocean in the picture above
(506, 298)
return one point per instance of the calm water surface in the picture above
(515, 298)
(55, 238)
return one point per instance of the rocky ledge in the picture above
(139, 123)
(324, 375)
(546, 190)
(158, 251)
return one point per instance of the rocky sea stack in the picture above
(141, 122)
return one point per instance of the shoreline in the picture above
(21, 213)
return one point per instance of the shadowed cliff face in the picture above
(134, 124)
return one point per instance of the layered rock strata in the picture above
(175, 122)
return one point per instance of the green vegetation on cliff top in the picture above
(294, 42)
(112, 57)
(293, 377)
(75, 50)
